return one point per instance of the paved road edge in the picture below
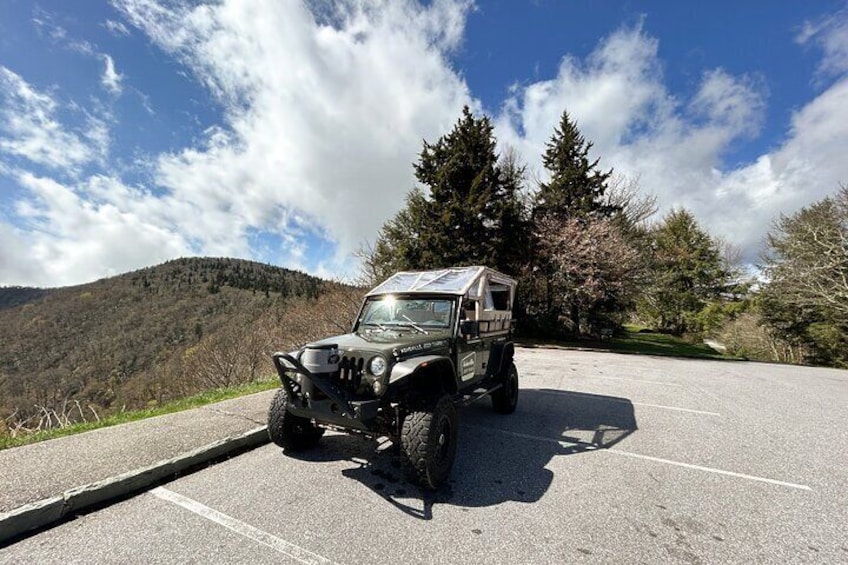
(50, 510)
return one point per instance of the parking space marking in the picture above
(676, 408)
(286, 548)
(631, 380)
(588, 446)
(707, 469)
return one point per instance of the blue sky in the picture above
(134, 131)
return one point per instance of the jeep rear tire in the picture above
(428, 443)
(290, 432)
(505, 399)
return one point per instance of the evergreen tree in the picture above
(511, 240)
(575, 192)
(472, 215)
(687, 271)
(576, 187)
(398, 245)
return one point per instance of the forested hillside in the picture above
(16, 295)
(152, 335)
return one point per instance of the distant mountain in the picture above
(149, 335)
(11, 296)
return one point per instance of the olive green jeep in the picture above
(423, 344)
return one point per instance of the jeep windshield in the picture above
(421, 314)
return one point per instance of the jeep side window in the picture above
(498, 297)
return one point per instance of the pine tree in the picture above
(471, 216)
(687, 271)
(576, 187)
(461, 172)
(574, 193)
(398, 245)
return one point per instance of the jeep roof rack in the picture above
(454, 281)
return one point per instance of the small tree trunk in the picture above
(575, 317)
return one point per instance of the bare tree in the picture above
(625, 194)
(370, 268)
(746, 335)
(805, 298)
(807, 262)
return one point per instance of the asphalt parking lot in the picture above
(608, 459)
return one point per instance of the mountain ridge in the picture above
(149, 335)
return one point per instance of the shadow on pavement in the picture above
(499, 458)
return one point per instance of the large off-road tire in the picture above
(290, 432)
(505, 399)
(428, 443)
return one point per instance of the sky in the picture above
(137, 131)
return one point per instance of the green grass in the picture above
(200, 399)
(645, 343)
(663, 344)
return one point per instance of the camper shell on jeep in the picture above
(422, 344)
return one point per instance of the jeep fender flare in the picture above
(500, 357)
(415, 366)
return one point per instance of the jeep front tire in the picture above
(292, 433)
(428, 443)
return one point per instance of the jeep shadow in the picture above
(499, 458)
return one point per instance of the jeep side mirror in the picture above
(469, 328)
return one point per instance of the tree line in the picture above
(590, 254)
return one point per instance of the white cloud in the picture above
(322, 122)
(808, 166)
(116, 28)
(324, 110)
(71, 237)
(110, 79)
(830, 33)
(15, 267)
(29, 128)
(45, 24)
(675, 146)
(323, 119)
(610, 95)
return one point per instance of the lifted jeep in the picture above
(422, 344)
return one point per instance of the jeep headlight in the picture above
(377, 366)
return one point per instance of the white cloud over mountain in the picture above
(323, 118)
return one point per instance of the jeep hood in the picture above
(406, 341)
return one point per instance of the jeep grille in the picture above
(350, 372)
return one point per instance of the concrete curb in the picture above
(50, 510)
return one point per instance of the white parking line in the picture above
(295, 552)
(707, 469)
(592, 447)
(676, 408)
(630, 380)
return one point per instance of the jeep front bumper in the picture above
(333, 406)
